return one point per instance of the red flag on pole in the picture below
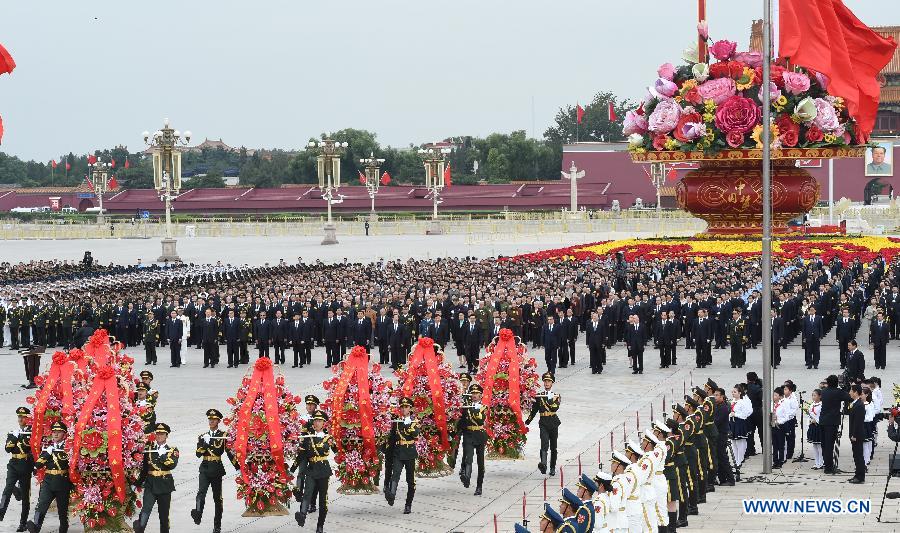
(612, 113)
(91, 159)
(127, 163)
(112, 163)
(362, 178)
(6, 61)
(89, 183)
(113, 184)
(824, 35)
(579, 113)
(447, 180)
(53, 163)
(385, 178)
(68, 166)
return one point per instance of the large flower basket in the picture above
(431, 384)
(358, 406)
(263, 434)
(510, 381)
(107, 440)
(58, 398)
(712, 113)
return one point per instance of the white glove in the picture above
(550, 395)
(320, 434)
(162, 449)
(15, 433)
(407, 420)
(477, 405)
(206, 438)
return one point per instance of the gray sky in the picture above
(273, 73)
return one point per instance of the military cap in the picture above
(163, 428)
(142, 386)
(548, 376)
(58, 426)
(603, 478)
(521, 529)
(634, 447)
(689, 400)
(700, 392)
(661, 426)
(146, 374)
(649, 436)
(406, 402)
(569, 497)
(587, 483)
(711, 385)
(311, 398)
(550, 514)
(23, 411)
(320, 415)
(213, 414)
(673, 425)
(619, 457)
(465, 376)
(475, 387)
(676, 408)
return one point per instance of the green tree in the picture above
(595, 126)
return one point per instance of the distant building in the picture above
(888, 121)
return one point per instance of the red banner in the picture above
(505, 348)
(104, 382)
(261, 382)
(425, 353)
(356, 366)
(98, 347)
(60, 374)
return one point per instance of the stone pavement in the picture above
(593, 406)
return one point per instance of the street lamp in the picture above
(434, 159)
(373, 180)
(658, 177)
(328, 165)
(100, 174)
(167, 177)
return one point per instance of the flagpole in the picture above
(766, 432)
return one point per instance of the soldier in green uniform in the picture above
(26, 317)
(317, 447)
(455, 437)
(701, 444)
(67, 325)
(147, 409)
(245, 337)
(53, 319)
(682, 472)
(210, 448)
(56, 485)
(19, 468)
(471, 425)
(151, 338)
(737, 338)
(156, 478)
(147, 379)
(547, 404)
(675, 490)
(688, 430)
(39, 325)
(15, 318)
(404, 454)
(708, 408)
(2, 323)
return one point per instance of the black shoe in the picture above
(195, 514)
(299, 516)
(217, 529)
(205, 366)
(407, 509)
(465, 481)
(542, 468)
(21, 528)
(856, 481)
(478, 491)
(320, 529)
(552, 471)
(312, 508)
(294, 366)
(136, 525)
(693, 511)
(727, 484)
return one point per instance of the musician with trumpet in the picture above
(211, 448)
(547, 404)
(406, 431)
(471, 424)
(19, 468)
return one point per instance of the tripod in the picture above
(837, 443)
(802, 457)
(736, 468)
(888, 480)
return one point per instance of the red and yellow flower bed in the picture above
(698, 248)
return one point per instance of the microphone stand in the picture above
(802, 457)
(888, 480)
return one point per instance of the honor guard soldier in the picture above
(302, 462)
(151, 338)
(547, 404)
(19, 468)
(471, 426)
(246, 337)
(701, 444)
(56, 485)
(707, 409)
(210, 448)
(156, 478)
(737, 338)
(455, 437)
(404, 455)
(317, 447)
(147, 379)
(146, 409)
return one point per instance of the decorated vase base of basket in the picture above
(441, 470)
(362, 490)
(276, 509)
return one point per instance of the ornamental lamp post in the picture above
(435, 161)
(373, 180)
(328, 165)
(100, 174)
(658, 177)
(167, 177)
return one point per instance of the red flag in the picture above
(127, 163)
(824, 35)
(53, 163)
(385, 178)
(91, 159)
(112, 163)
(68, 166)
(447, 180)
(6, 61)
(89, 183)
(579, 113)
(113, 184)
(362, 179)
(672, 174)
(612, 113)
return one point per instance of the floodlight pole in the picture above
(766, 430)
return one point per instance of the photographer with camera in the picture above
(892, 432)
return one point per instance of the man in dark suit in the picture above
(83, 334)
(702, 334)
(331, 332)
(174, 327)
(844, 332)
(595, 338)
(359, 331)
(296, 336)
(856, 363)
(439, 331)
(398, 334)
(879, 333)
(777, 324)
(122, 318)
(210, 338)
(635, 339)
(857, 412)
(231, 330)
(263, 334)
(812, 335)
(830, 419)
(571, 335)
(550, 339)
(280, 336)
(472, 341)
(754, 392)
(383, 336)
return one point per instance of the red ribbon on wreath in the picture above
(104, 382)
(425, 352)
(262, 382)
(355, 367)
(98, 347)
(60, 373)
(505, 347)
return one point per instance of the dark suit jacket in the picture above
(210, 329)
(879, 336)
(845, 331)
(551, 339)
(264, 331)
(831, 406)
(812, 330)
(594, 337)
(440, 332)
(174, 329)
(359, 333)
(280, 331)
(857, 412)
(398, 338)
(702, 331)
(856, 367)
(231, 329)
(635, 338)
(472, 337)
